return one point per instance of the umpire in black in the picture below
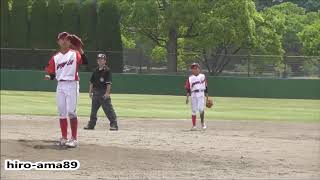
(99, 92)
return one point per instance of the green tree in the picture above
(4, 22)
(224, 29)
(88, 20)
(190, 29)
(70, 17)
(163, 22)
(18, 26)
(309, 5)
(108, 31)
(310, 38)
(270, 31)
(311, 17)
(54, 22)
(294, 22)
(38, 24)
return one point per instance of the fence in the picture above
(138, 61)
(174, 85)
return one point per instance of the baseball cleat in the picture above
(72, 143)
(88, 128)
(204, 126)
(62, 142)
(194, 128)
(113, 129)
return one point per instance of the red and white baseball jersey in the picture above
(196, 85)
(65, 65)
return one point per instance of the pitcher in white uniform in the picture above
(63, 66)
(197, 87)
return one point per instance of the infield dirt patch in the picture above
(153, 149)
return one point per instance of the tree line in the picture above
(180, 32)
(173, 31)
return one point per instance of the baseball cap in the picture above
(101, 56)
(69, 36)
(195, 65)
(62, 35)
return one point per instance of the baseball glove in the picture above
(209, 103)
(76, 41)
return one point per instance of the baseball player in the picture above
(196, 87)
(99, 92)
(63, 66)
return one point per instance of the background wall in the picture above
(174, 85)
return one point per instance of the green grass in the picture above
(168, 107)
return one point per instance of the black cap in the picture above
(101, 56)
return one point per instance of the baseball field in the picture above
(246, 138)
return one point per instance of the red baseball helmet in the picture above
(62, 35)
(193, 65)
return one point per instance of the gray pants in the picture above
(97, 101)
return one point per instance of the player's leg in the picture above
(62, 109)
(194, 107)
(201, 106)
(110, 113)
(71, 99)
(95, 105)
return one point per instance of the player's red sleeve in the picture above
(51, 68)
(187, 86)
(79, 59)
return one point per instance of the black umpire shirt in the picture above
(101, 78)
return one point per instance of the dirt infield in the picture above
(154, 149)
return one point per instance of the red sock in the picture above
(74, 127)
(64, 128)
(194, 120)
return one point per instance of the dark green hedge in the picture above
(37, 25)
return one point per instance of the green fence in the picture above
(174, 85)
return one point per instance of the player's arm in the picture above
(91, 85)
(108, 82)
(206, 90)
(51, 70)
(188, 90)
(83, 57)
(108, 91)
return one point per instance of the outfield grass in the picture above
(168, 107)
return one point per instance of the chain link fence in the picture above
(136, 61)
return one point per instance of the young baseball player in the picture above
(196, 87)
(63, 66)
(99, 92)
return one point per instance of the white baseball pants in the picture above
(197, 104)
(67, 95)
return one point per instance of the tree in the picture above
(70, 17)
(38, 24)
(310, 38)
(225, 29)
(309, 5)
(108, 31)
(4, 22)
(163, 22)
(54, 22)
(294, 22)
(18, 26)
(88, 20)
